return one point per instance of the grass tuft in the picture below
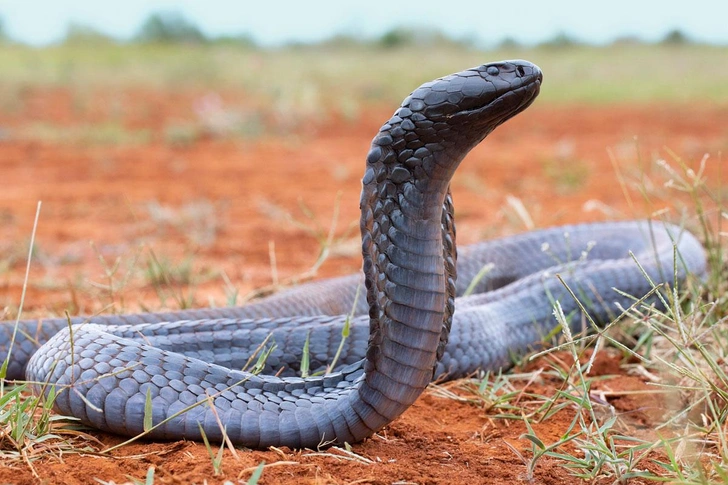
(679, 349)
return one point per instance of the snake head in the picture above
(487, 88)
(463, 108)
(439, 122)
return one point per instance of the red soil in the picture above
(218, 204)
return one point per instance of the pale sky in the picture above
(274, 22)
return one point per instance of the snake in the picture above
(182, 375)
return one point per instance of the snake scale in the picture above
(107, 369)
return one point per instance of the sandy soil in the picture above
(215, 211)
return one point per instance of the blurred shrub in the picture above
(627, 40)
(396, 37)
(169, 28)
(84, 34)
(562, 40)
(509, 43)
(420, 37)
(676, 37)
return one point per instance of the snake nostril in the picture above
(520, 71)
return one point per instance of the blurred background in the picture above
(187, 153)
(201, 153)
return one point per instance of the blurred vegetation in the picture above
(169, 27)
(3, 32)
(561, 40)
(676, 37)
(309, 76)
(408, 37)
(170, 52)
(84, 34)
(172, 27)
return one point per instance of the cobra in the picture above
(108, 369)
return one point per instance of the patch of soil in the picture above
(213, 211)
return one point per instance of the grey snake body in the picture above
(400, 333)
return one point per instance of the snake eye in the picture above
(492, 70)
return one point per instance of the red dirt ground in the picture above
(214, 207)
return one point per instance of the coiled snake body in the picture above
(108, 368)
